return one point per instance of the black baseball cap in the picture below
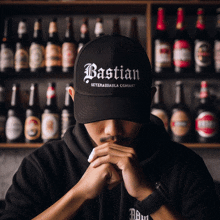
(112, 80)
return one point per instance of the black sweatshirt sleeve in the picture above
(27, 195)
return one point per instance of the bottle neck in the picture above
(22, 30)
(38, 30)
(180, 20)
(2, 94)
(134, 29)
(161, 24)
(204, 93)
(179, 94)
(53, 31)
(69, 30)
(7, 30)
(158, 97)
(99, 28)
(33, 100)
(218, 22)
(15, 98)
(84, 32)
(116, 27)
(200, 24)
(51, 96)
(68, 100)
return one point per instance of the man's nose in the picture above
(113, 128)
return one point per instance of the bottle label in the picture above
(53, 55)
(50, 126)
(2, 125)
(13, 128)
(67, 120)
(182, 54)
(69, 52)
(180, 123)
(206, 124)
(162, 54)
(203, 53)
(32, 129)
(7, 58)
(21, 59)
(162, 115)
(217, 55)
(37, 52)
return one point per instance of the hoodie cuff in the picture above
(153, 202)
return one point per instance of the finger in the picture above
(114, 179)
(109, 149)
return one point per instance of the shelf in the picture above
(37, 145)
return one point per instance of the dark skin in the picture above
(112, 161)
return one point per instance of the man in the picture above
(118, 161)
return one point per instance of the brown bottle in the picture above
(182, 47)
(116, 27)
(67, 114)
(37, 49)
(180, 120)
(69, 48)
(22, 48)
(162, 59)
(14, 128)
(202, 46)
(32, 126)
(7, 48)
(159, 108)
(206, 120)
(53, 49)
(50, 122)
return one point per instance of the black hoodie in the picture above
(52, 170)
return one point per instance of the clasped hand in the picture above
(110, 164)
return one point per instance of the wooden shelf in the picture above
(37, 145)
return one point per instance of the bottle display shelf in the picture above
(37, 145)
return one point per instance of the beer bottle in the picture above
(116, 27)
(69, 48)
(206, 121)
(3, 113)
(37, 49)
(22, 48)
(202, 46)
(53, 49)
(67, 114)
(50, 123)
(84, 36)
(162, 60)
(217, 43)
(159, 108)
(7, 48)
(99, 28)
(182, 47)
(134, 29)
(14, 128)
(180, 120)
(32, 126)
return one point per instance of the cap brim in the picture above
(89, 109)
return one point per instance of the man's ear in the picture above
(153, 91)
(71, 91)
